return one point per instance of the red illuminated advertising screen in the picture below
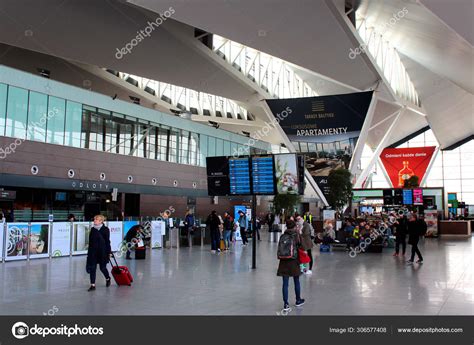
(417, 196)
(401, 164)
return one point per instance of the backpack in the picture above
(287, 249)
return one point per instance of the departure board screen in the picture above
(263, 175)
(407, 197)
(239, 176)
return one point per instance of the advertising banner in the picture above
(80, 242)
(16, 241)
(324, 129)
(158, 230)
(431, 219)
(403, 163)
(61, 239)
(116, 235)
(39, 240)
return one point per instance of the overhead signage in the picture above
(324, 129)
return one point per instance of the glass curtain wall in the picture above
(35, 116)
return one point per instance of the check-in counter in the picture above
(455, 228)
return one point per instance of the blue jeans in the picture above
(286, 281)
(227, 234)
(215, 238)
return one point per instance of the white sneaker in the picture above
(309, 272)
(213, 251)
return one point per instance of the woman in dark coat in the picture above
(99, 250)
(291, 268)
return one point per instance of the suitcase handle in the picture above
(116, 263)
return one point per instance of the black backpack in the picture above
(287, 247)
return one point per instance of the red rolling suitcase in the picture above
(121, 274)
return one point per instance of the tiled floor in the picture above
(195, 282)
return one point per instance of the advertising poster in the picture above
(16, 241)
(324, 129)
(39, 240)
(158, 229)
(329, 217)
(417, 196)
(80, 242)
(61, 239)
(116, 235)
(286, 173)
(431, 219)
(401, 164)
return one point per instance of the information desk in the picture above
(455, 228)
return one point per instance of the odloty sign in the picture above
(90, 185)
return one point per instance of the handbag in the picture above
(303, 256)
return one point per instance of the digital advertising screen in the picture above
(263, 175)
(217, 176)
(398, 197)
(388, 197)
(418, 196)
(407, 197)
(239, 176)
(286, 172)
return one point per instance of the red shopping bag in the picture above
(303, 257)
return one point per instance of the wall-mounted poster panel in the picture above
(80, 242)
(61, 239)
(39, 240)
(16, 241)
(116, 235)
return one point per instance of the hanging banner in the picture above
(80, 242)
(403, 163)
(158, 229)
(61, 239)
(39, 240)
(17, 241)
(116, 235)
(431, 219)
(324, 129)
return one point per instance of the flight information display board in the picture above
(239, 176)
(407, 197)
(263, 175)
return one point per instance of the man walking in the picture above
(416, 228)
